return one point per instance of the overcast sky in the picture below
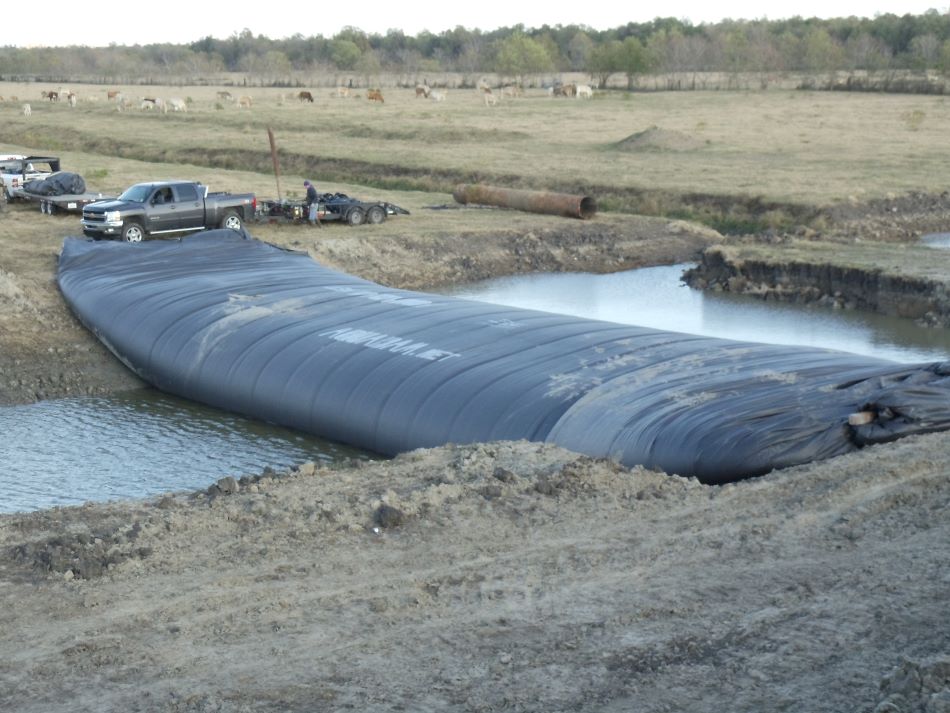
(179, 22)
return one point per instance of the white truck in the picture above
(17, 170)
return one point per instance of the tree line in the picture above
(919, 43)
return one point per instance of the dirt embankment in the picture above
(831, 280)
(506, 576)
(503, 576)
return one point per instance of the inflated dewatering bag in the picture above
(242, 325)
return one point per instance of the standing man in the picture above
(312, 202)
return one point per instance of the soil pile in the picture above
(657, 139)
(502, 576)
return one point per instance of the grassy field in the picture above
(775, 154)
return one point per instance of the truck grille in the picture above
(93, 217)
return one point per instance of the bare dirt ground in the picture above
(505, 576)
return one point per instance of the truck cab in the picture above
(172, 207)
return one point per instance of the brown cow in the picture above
(112, 94)
(374, 95)
(305, 97)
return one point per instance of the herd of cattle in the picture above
(490, 96)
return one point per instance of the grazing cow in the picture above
(422, 90)
(342, 92)
(178, 104)
(113, 94)
(14, 98)
(147, 104)
(584, 90)
(27, 110)
(375, 95)
(1, 99)
(52, 96)
(244, 102)
(436, 95)
(511, 90)
(225, 96)
(490, 99)
(71, 98)
(305, 97)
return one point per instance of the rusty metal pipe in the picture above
(564, 204)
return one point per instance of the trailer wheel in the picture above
(376, 215)
(232, 221)
(355, 216)
(133, 232)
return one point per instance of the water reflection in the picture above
(936, 240)
(654, 297)
(137, 444)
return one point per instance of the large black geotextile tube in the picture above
(245, 326)
(565, 204)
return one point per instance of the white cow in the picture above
(178, 104)
(584, 90)
(27, 110)
(436, 95)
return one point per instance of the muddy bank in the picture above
(504, 576)
(912, 283)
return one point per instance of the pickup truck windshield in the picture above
(137, 193)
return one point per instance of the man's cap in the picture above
(306, 183)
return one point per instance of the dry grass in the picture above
(790, 147)
(913, 260)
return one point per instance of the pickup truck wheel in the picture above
(375, 215)
(232, 221)
(133, 232)
(355, 216)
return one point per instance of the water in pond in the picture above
(936, 240)
(654, 297)
(137, 444)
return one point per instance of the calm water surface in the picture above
(142, 443)
(654, 297)
(73, 450)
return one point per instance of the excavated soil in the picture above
(490, 577)
(657, 139)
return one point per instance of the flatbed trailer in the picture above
(66, 203)
(330, 207)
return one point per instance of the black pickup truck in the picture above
(166, 207)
